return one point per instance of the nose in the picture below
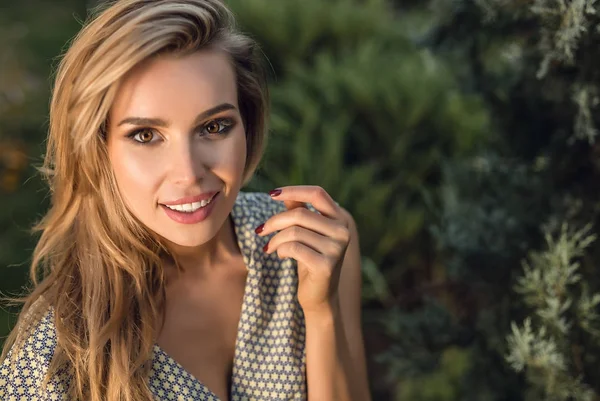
(187, 162)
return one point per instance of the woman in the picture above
(160, 278)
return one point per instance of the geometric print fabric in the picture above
(269, 359)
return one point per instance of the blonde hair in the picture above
(96, 265)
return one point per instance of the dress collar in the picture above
(246, 215)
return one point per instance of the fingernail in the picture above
(266, 247)
(260, 229)
(275, 192)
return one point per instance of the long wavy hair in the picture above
(96, 266)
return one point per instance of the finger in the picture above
(312, 194)
(292, 204)
(305, 218)
(313, 240)
(301, 253)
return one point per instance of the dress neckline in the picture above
(241, 235)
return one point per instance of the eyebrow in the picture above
(158, 122)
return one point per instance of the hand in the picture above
(316, 241)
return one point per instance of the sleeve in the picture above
(23, 370)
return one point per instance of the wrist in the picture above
(323, 313)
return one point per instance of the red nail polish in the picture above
(266, 247)
(259, 229)
(275, 192)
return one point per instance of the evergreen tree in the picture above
(534, 65)
(558, 341)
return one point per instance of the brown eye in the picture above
(218, 127)
(212, 127)
(143, 136)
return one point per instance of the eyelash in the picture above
(226, 125)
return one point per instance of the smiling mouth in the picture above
(191, 207)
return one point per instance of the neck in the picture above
(207, 257)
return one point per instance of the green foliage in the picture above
(447, 383)
(552, 44)
(564, 24)
(564, 313)
(293, 32)
(488, 207)
(535, 65)
(420, 340)
(567, 29)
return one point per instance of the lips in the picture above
(194, 217)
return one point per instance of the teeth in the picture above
(189, 207)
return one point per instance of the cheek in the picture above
(239, 152)
(136, 175)
(230, 157)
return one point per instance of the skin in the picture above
(186, 157)
(183, 158)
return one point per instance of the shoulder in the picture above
(24, 369)
(37, 336)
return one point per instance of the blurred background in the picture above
(461, 135)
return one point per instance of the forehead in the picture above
(176, 86)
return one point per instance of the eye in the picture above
(143, 136)
(219, 126)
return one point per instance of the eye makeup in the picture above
(217, 127)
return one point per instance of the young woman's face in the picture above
(176, 138)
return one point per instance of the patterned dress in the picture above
(269, 359)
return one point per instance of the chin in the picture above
(187, 240)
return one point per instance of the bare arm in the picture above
(336, 363)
